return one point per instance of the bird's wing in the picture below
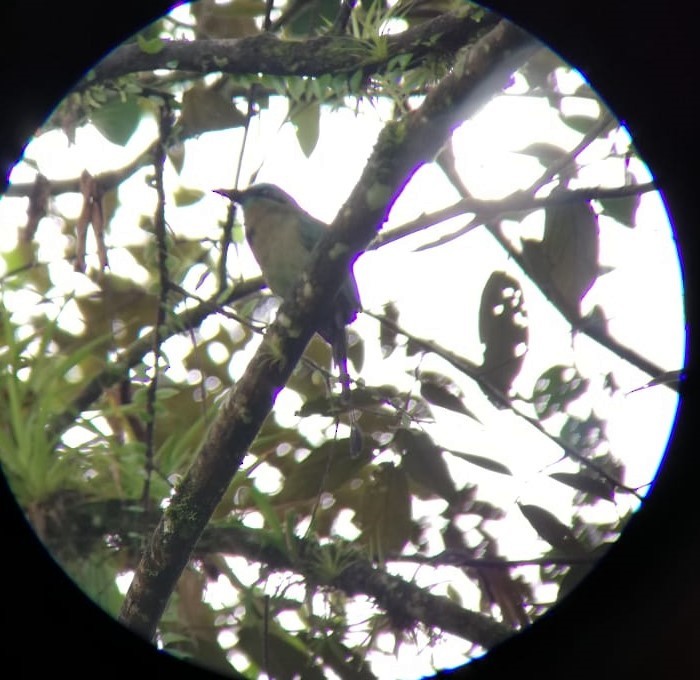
(311, 231)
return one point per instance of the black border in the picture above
(637, 614)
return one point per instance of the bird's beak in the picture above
(231, 194)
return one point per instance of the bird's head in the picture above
(259, 194)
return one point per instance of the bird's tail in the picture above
(339, 348)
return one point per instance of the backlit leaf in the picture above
(117, 120)
(306, 118)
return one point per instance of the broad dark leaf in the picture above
(503, 328)
(424, 463)
(208, 108)
(623, 209)
(356, 350)
(570, 249)
(442, 391)
(544, 152)
(584, 435)
(385, 514)
(388, 334)
(549, 528)
(585, 482)
(557, 387)
(582, 124)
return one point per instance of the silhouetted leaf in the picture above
(388, 334)
(442, 391)
(481, 461)
(549, 528)
(413, 347)
(544, 152)
(424, 463)
(623, 209)
(503, 328)
(557, 387)
(570, 248)
(584, 435)
(356, 350)
(582, 124)
(582, 481)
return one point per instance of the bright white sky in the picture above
(438, 292)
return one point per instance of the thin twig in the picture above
(164, 127)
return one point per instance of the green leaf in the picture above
(117, 120)
(150, 45)
(324, 469)
(184, 196)
(306, 118)
(385, 514)
(262, 503)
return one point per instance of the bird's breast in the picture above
(279, 251)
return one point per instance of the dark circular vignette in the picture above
(636, 615)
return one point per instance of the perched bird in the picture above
(282, 236)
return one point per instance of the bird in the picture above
(282, 236)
